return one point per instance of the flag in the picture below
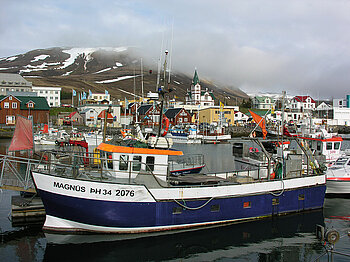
(74, 92)
(23, 136)
(90, 93)
(79, 96)
(260, 121)
(84, 95)
(272, 110)
(221, 106)
(106, 92)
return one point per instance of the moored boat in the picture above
(136, 193)
(338, 176)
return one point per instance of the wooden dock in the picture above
(27, 211)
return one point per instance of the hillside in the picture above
(117, 70)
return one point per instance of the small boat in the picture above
(338, 176)
(131, 191)
(95, 138)
(181, 136)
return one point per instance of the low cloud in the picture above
(297, 46)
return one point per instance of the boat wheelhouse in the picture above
(330, 148)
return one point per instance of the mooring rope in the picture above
(193, 208)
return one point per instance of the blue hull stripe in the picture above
(136, 214)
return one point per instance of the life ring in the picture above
(253, 150)
(165, 125)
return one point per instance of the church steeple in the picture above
(195, 79)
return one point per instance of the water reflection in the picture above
(263, 238)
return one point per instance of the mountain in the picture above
(117, 70)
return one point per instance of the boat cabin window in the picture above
(109, 161)
(319, 144)
(150, 163)
(336, 145)
(329, 146)
(136, 163)
(123, 162)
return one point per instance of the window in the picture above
(336, 145)
(319, 146)
(14, 105)
(136, 164)
(10, 120)
(109, 162)
(10, 98)
(150, 163)
(30, 104)
(6, 105)
(123, 162)
(301, 197)
(329, 146)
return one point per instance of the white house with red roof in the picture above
(303, 103)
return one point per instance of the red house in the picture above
(148, 115)
(178, 116)
(33, 107)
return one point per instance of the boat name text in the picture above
(97, 191)
(76, 188)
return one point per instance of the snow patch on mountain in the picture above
(86, 52)
(39, 57)
(115, 80)
(12, 58)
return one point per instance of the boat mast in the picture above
(161, 93)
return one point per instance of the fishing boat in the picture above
(132, 191)
(338, 176)
(321, 143)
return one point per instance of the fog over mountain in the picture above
(298, 46)
(117, 70)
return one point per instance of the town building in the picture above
(342, 102)
(114, 110)
(240, 118)
(13, 82)
(178, 116)
(75, 118)
(90, 116)
(302, 104)
(211, 115)
(263, 102)
(100, 97)
(32, 107)
(148, 114)
(52, 94)
(197, 96)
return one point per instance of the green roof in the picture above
(40, 103)
(260, 112)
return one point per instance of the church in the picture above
(197, 96)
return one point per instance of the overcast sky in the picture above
(302, 47)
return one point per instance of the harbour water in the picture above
(286, 238)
